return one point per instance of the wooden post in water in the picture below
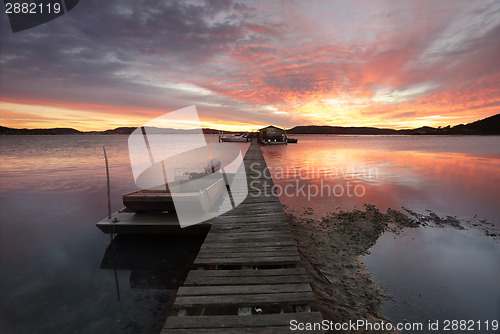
(107, 176)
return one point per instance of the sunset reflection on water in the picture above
(428, 273)
(441, 174)
(53, 191)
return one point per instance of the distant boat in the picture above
(292, 140)
(235, 138)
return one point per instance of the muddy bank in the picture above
(331, 248)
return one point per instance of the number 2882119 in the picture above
(32, 8)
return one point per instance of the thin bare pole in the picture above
(107, 176)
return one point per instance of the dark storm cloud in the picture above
(100, 42)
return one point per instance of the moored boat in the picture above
(156, 210)
(201, 195)
(244, 137)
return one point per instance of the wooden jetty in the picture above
(247, 280)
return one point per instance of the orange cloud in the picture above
(383, 64)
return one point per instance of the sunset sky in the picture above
(397, 64)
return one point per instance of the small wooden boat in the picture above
(292, 140)
(201, 191)
(156, 210)
(200, 195)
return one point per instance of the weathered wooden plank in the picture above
(243, 248)
(214, 242)
(247, 272)
(247, 239)
(271, 199)
(248, 219)
(259, 205)
(247, 228)
(241, 289)
(244, 227)
(248, 254)
(234, 321)
(231, 244)
(250, 261)
(247, 330)
(268, 216)
(200, 281)
(275, 223)
(270, 234)
(251, 257)
(224, 228)
(241, 212)
(235, 250)
(288, 298)
(257, 228)
(255, 211)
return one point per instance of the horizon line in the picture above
(209, 128)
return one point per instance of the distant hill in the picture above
(487, 126)
(118, 131)
(55, 131)
(340, 130)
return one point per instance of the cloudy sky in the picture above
(381, 63)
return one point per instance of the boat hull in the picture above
(234, 140)
(273, 142)
(124, 222)
(200, 195)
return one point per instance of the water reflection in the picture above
(154, 261)
(438, 273)
(430, 273)
(389, 174)
(53, 191)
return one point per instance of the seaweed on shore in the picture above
(331, 248)
(433, 218)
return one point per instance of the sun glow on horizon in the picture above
(42, 115)
(325, 112)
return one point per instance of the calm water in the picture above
(431, 273)
(60, 274)
(458, 176)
